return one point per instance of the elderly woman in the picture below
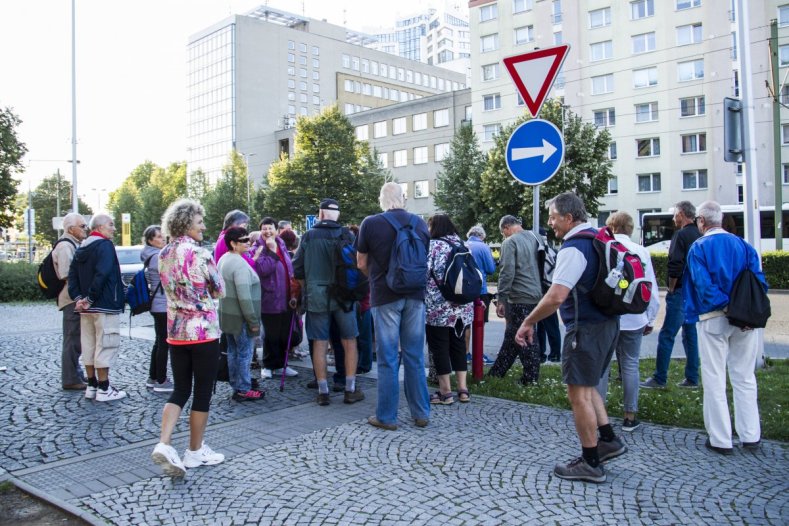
(446, 321)
(232, 218)
(157, 371)
(239, 312)
(192, 285)
(278, 300)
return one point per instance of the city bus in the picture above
(658, 227)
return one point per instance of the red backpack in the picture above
(621, 286)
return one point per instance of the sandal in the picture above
(463, 396)
(249, 395)
(444, 399)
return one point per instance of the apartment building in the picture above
(654, 73)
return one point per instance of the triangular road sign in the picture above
(534, 73)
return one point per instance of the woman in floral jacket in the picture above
(446, 321)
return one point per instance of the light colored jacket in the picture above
(241, 303)
(62, 255)
(632, 322)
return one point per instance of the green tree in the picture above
(197, 185)
(328, 161)
(11, 153)
(585, 171)
(45, 203)
(229, 193)
(458, 182)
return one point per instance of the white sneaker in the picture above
(204, 456)
(90, 392)
(266, 373)
(167, 457)
(109, 395)
(290, 372)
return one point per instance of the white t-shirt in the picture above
(570, 262)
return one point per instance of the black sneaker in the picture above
(751, 445)
(719, 450)
(352, 397)
(630, 425)
(578, 469)
(611, 449)
(323, 399)
(687, 384)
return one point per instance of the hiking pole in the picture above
(287, 352)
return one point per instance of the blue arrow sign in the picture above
(535, 151)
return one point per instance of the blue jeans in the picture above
(239, 358)
(364, 343)
(675, 319)
(628, 349)
(401, 324)
(548, 333)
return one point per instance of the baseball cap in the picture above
(329, 204)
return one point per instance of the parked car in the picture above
(129, 258)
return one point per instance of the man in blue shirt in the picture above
(486, 264)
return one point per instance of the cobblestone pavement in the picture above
(292, 462)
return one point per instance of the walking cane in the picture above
(287, 352)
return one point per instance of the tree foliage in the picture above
(11, 153)
(229, 193)
(585, 171)
(328, 161)
(45, 203)
(458, 182)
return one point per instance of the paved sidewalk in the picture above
(292, 462)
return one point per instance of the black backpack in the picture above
(48, 280)
(350, 283)
(749, 305)
(462, 280)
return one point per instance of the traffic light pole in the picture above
(779, 241)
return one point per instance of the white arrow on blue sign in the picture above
(535, 151)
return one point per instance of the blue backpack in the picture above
(350, 283)
(138, 293)
(407, 272)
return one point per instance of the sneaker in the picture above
(687, 384)
(719, 450)
(164, 387)
(167, 457)
(486, 360)
(150, 382)
(651, 383)
(630, 425)
(109, 395)
(373, 421)
(751, 445)
(290, 373)
(323, 399)
(90, 392)
(351, 397)
(421, 422)
(468, 357)
(610, 450)
(578, 469)
(204, 456)
(266, 374)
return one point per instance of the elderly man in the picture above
(94, 281)
(487, 265)
(714, 262)
(74, 232)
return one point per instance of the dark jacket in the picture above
(95, 273)
(315, 262)
(678, 251)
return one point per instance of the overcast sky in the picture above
(131, 76)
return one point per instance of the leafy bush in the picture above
(659, 263)
(776, 268)
(18, 282)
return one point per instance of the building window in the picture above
(489, 43)
(783, 15)
(488, 12)
(786, 174)
(355, 63)
(440, 151)
(346, 61)
(441, 118)
(363, 132)
(524, 34)
(383, 160)
(490, 131)
(694, 143)
(691, 106)
(613, 185)
(689, 34)
(316, 100)
(419, 122)
(519, 6)
(694, 179)
(420, 155)
(400, 158)
(648, 182)
(603, 84)
(490, 72)
(491, 102)
(398, 126)
(687, 4)
(644, 78)
(348, 85)
(379, 129)
(291, 57)
(691, 70)
(648, 147)
(557, 38)
(643, 43)
(783, 55)
(600, 17)
(612, 151)
(291, 44)
(302, 60)
(647, 112)
(421, 189)
(642, 9)
(404, 186)
(605, 118)
(601, 50)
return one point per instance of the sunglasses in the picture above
(244, 240)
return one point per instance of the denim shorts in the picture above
(318, 324)
(587, 351)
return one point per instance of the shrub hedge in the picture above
(775, 265)
(18, 282)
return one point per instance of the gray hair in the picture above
(569, 203)
(179, 216)
(234, 218)
(711, 212)
(508, 220)
(391, 196)
(477, 231)
(283, 224)
(686, 208)
(72, 219)
(99, 220)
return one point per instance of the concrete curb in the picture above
(58, 503)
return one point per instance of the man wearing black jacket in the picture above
(684, 236)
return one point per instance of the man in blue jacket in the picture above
(487, 265)
(94, 281)
(714, 262)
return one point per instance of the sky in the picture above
(131, 77)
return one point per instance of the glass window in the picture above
(489, 43)
(398, 126)
(556, 11)
(648, 147)
(355, 63)
(441, 118)
(642, 9)
(291, 84)
(524, 34)
(784, 133)
(690, 70)
(346, 61)
(601, 50)
(349, 85)
(365, 65)
(488, 12)
(694, 179)
(612, 151)
(316, 100)
(786, 174)
(643, 78)
(647, 112)
(302, 60)
(692, 106)
(613, 185)
(689, 34)
(783, 55)
(316, 88)
(600, 17)
(400, 158)
(374, 67)
(521, 5)
(302, 47)
(404, 186)
(783, 15)
(420, 155)
(302, 73)
(421, 189)
(384, 70)
(316, 50)
(643, 43)
(694, 143)
(363, 132)
(648, 182)
(490, 72)
(490, 131)
(291, 44)
(440, 151)
(605, 118)
(419, 122)
(603, 84)
(291, 95)
(557, 38)
(291, 57)
(687, 4)
(379, 129)
(491, 102)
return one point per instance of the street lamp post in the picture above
(246, 162)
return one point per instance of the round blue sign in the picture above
(535, 151)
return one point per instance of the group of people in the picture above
(258, 283)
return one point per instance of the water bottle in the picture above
(612, 280)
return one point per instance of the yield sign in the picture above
(534, 73)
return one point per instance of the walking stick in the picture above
(287, 352)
